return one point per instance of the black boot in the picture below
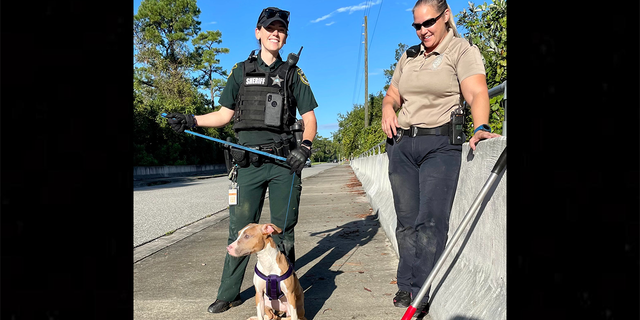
(221, 306)
(402, 299)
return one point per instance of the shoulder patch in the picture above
(303, 78)
(234, 66)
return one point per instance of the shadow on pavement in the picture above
(319, 281)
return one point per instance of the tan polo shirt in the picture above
(430, 84)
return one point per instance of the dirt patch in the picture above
(354, 183)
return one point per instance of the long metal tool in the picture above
(266, 154)
(495, 173)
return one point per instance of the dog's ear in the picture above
(270, 228)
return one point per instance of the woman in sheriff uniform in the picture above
(424, 161)
(252, 84)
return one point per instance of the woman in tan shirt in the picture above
(429, 83)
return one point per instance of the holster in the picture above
(228, 160)
(238, 157)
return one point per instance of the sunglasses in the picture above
(427, 23)
(270, 13)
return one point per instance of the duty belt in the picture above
(282, 151)
(413, 131)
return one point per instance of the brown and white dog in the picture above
(277, 287)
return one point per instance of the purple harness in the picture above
(273, 282)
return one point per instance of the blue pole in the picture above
(266, 154)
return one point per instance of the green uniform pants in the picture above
(252, 186)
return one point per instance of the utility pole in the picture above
(366, 77)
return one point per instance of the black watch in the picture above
(307, 143)
(483, 127)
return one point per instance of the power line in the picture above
(358, 84)
(375, 25)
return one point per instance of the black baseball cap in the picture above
(271, 14)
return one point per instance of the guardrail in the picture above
(493, 92)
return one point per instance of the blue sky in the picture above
(331, 33)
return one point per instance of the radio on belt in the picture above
(456, 128)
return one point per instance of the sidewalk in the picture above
(345, 263)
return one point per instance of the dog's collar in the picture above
(273, 281)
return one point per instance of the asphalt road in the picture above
(162, 209)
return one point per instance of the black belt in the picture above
(413, 131)
(272, 148)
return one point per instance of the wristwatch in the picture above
(483, 127)
(307, 143)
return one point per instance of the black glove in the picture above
(179, 122)
(297, 158)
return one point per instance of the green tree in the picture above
(486, 27)
(323, 149)
(207, 62)
(352, 137)
(388, 73)
(166, 79)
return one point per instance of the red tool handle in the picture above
(409, 313)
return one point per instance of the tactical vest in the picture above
(262, 103)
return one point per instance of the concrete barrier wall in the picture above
(472, 281)
(169, 171)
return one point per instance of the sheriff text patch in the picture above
(255, 81)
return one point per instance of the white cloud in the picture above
(329, 126)
(375, 72)
(330, 23)
(350, 9)
(322, 18)
(212, 22)
(358, 7)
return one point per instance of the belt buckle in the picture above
(414, 131)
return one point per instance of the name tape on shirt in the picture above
(255, 81)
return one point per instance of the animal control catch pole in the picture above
(266, 154)
(495, 173)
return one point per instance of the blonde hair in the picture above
(440, 6)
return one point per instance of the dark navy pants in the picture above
(423, 172)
